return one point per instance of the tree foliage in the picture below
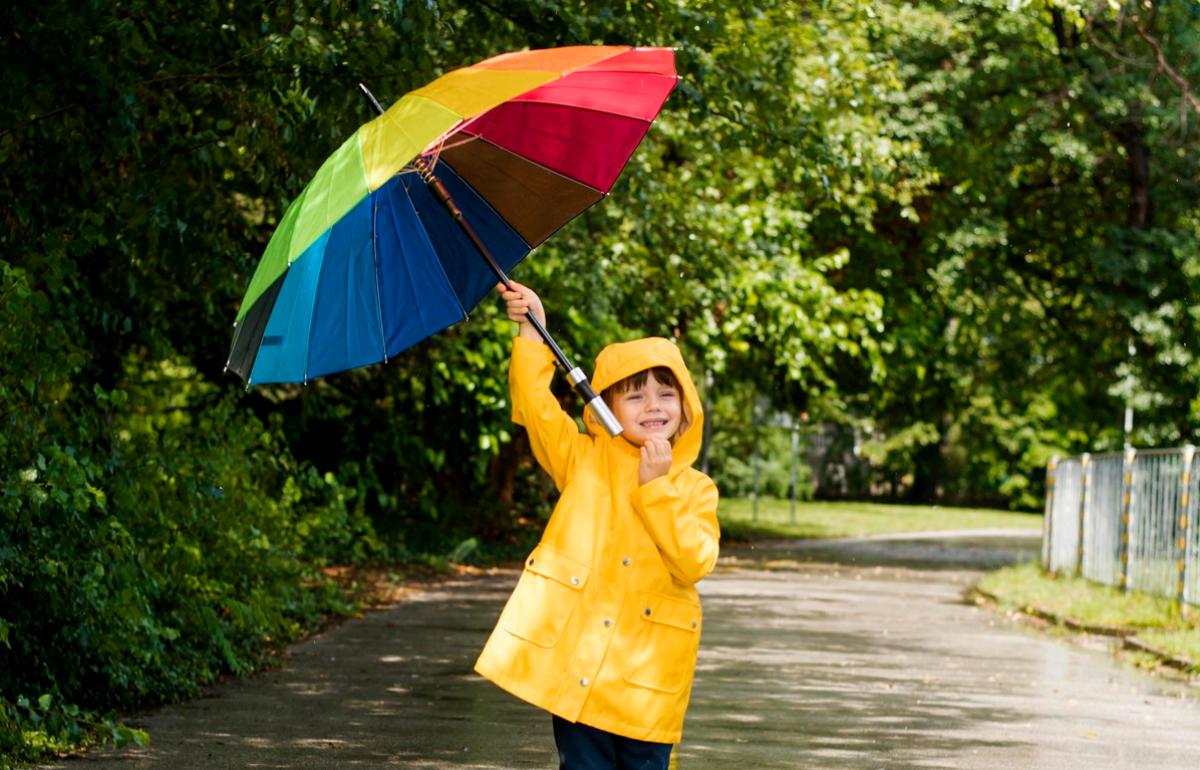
(1061, 230)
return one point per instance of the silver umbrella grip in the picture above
(579, 381)
(605, 416)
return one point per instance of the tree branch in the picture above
(1165, 67)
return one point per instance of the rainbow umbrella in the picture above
(409, 224)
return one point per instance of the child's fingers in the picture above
(518, 300)
(656, 451)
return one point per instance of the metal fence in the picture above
(1126, 519)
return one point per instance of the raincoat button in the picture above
(626, 561)
(607, 622)
(531, 562)
(693, 624)
(574, 580)
(583, 682)
(647, 612)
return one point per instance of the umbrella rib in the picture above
(313, 313)
(375, 259)
(444, 146)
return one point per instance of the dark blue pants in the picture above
(585, 748)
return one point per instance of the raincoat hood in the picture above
(624, 359)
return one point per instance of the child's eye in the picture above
(667, 394)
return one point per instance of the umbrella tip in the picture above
(371, 98)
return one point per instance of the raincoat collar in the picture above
(623, 359)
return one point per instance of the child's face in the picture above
(651, 411)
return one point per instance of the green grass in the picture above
(1079, 599)
(828, 520)
(1184, 643)
(1161, 622)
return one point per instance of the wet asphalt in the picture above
(836, 654)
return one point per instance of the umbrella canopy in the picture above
(367, 262)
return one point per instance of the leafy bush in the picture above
(732, 463)
(152, 536)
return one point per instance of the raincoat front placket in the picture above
(601, 624)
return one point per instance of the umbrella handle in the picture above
(575, 375)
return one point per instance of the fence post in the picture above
(1048, 517)
(754, 462)
(1084, 466)
(1127, 516)
(795, 468)
(1189, 452)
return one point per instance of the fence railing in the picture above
(1126, 519)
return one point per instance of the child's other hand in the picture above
(520, 302)
(656, 460)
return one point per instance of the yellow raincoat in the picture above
(604, 624)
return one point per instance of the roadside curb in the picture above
(1127, 636)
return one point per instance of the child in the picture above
(603, 626)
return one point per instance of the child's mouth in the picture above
(652, 424)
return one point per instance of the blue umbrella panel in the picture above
(394, 270)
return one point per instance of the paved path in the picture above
(855, 654)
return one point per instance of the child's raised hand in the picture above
(656, 460)
(519, 302)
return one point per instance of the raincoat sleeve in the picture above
(682, 523)
(553, 435)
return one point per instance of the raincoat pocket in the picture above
(666, 643)
(545, 596)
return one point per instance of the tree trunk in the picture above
(927, 474)
(1132, 136)
(929, 467)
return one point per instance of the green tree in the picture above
(1010, 305)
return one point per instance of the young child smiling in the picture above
(603, 627)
